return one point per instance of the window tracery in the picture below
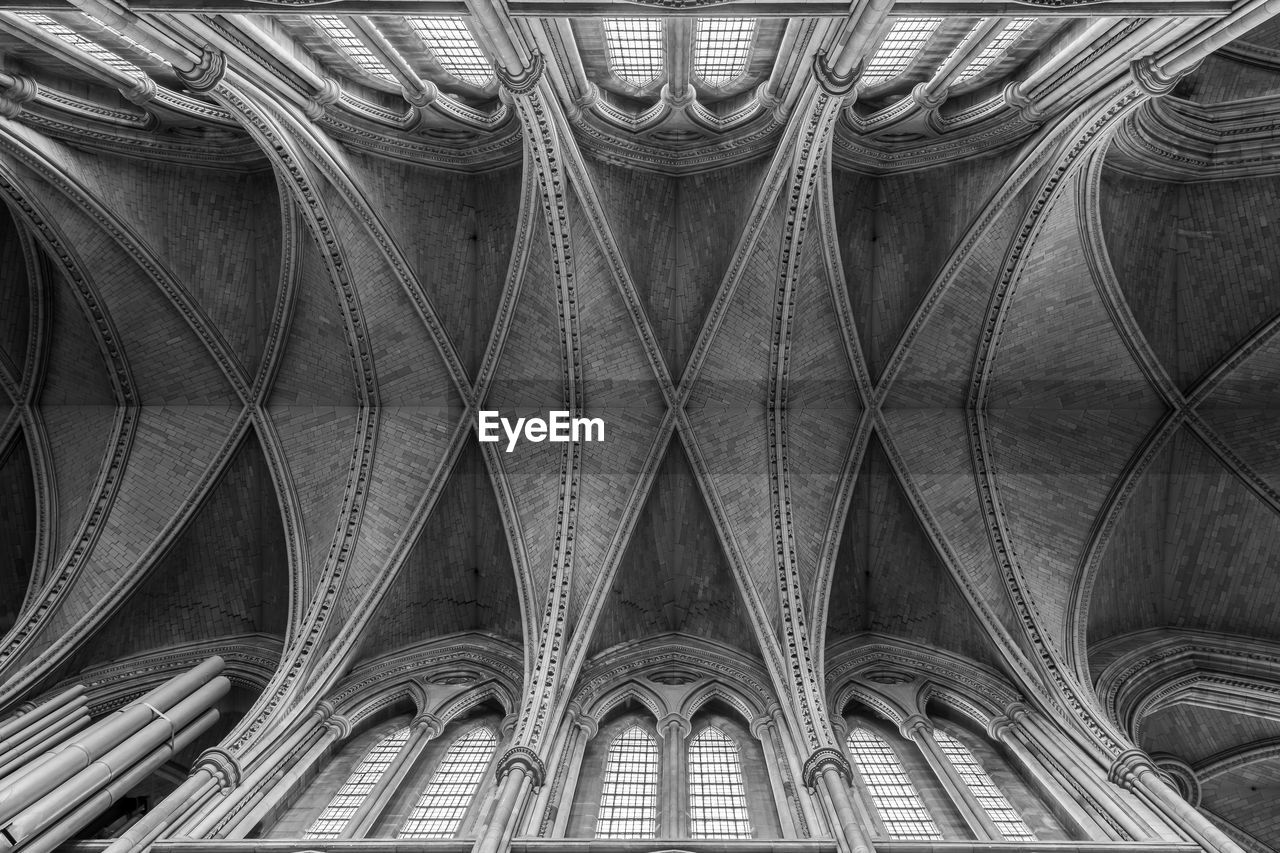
(721, 48)
(351, 46)
(335, 816)
(717, 796)
(636, 53)
(454, 48)
(994, 49)
(903, 43)
(82, 43)
(990, 797)
(629, 796)
(448, 795)
(891, 790)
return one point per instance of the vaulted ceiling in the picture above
(981, 358)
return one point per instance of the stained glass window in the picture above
(359, 784)
(448, 795)
(635, 48)
(900, 46)
(995, 48)
(717, 797)
(721, 48)
(70, 37)
(1002, 814)
(629, 796)
(895, 798)
(454, 48)
(354, 49)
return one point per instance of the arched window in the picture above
(721, 48)
(629, 798)
(717, 797)
(635, 49)
(1002, 814)
(448, 795)
(454, 48)
(899, 48)
(343, 806)
(895, 798)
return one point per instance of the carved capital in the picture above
(820, 760)
(1151, 78)
(429, 723)
(19, 92)
(222, 765)
(420, 98)
(762, 726)
(914, 724)
(674, 725)
(920, 94)
(339, 725)
(524, 82)
(677, 100)
(527, 760)
(142, 91)
(836, 85)
(1019, 100)
(1128, 766)
(207, 72)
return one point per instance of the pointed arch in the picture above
(629, 797)
(448, 795)
(717, 793)
(333, 820)
(895, 797)
(990, 797)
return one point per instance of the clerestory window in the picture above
(717, 797)
(635, 48)
(448, 795)
(351, 46)
(629, 797)
(454, 48)
(1002, 814)
(333, 820)
(721, 48)
(73, 39)
(903, 43)
(996, 48)
(895, 798)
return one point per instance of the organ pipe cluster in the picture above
(59, 771)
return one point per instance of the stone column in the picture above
(519, 771)
(829, 767)
(1005, 731)
(422, 730)
(918, 729)
(1135, 771)
(1081, 774)
(581, 730)
(673, 808)
(764, 729)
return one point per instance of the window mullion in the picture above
(673, 818)
(421, 731)
(917, 728)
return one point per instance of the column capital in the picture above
(677, 722)
(1128, 766)
(820, 760)
(339, 725)
(914, 724)
(429, 723)
(207, 71)
(836, 85)
(761, 726)
(527, 760)
(222, 765)
(1153, 79)
(526, 80)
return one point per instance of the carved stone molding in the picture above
(527, 760)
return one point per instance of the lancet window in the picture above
(444, 802)
(333, 820)
(894, 795)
